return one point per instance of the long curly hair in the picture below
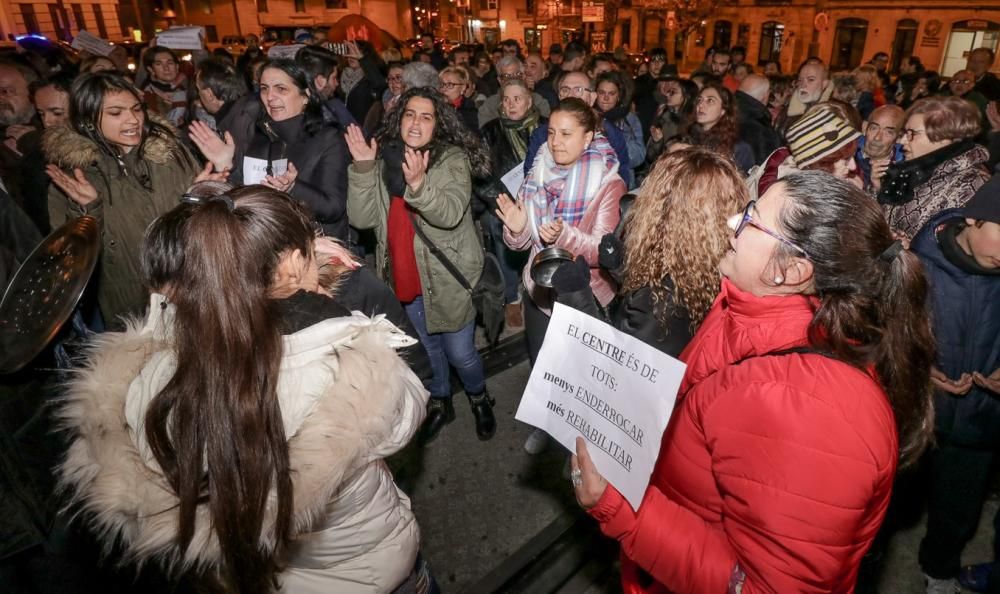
(449, 130)
(677, 228)
(723, 135)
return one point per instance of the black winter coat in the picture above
(503, 160)
(755, 127)
(321, 160)
(966, 317)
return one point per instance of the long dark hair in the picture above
(872, 308)
(216, 428)
(723, 135)
(86, 106)
(313, 112)
(449, 130)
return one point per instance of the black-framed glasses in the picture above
(450, 85)
(746, 219)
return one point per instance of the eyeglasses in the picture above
(395, 78)
(962, 81)
(506, 77)
(739, 225)
(450, 85)
(574, 91)
(910, 133)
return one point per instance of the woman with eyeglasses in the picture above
(454, 82)
(292, 148)
(614, 101)
(807, 386)
(714, 125)
(116, 162)
(943, 167)
(570, 199)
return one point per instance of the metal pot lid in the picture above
(45, 290)
(545, 264)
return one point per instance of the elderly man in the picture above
(979, 63)
(755, 127)
(579, 85)
(508, 68)
(536, 74)
(878, 148)
(813, 87)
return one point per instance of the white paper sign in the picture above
(182, 38)
(513, 179)
(255, 170)
(284, 51)
(614, 390)
(93, 44)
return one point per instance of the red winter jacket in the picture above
(774, 473)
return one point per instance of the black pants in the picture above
(536, 322)
(958, 479)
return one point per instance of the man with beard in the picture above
(813, 87)
(17, 118)
(878, 148)
(321, 65)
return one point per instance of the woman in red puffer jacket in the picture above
(806, 386)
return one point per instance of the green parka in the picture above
(444, 214)
(126, 204)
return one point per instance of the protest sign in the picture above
(513, 179)
(86, 42)
(182, 38)
(255, 170)
(614, 390)
(284, 51)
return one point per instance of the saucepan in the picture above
(545, 264)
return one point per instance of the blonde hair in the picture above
(458, 71)
(677, 228)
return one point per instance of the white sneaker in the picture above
(536, 442)
(936, 586)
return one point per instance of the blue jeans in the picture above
(457, 348)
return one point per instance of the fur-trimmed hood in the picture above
(367, 408)
(66, 148)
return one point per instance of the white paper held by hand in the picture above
(513, 179)
(614, 390)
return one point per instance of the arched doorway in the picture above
(902, 44)
(771, 36)
(849, 44)
(966, 36)
(722, 34)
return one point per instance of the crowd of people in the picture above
(288, 248)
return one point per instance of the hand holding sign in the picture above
(591, 485)
(595, 383)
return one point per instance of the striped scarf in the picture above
(552, 191)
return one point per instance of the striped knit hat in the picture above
(818, 134)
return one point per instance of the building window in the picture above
(60, 27)
(81, 23)
(491, 4)
(300, 5)
(211, 34)
(206, 6)
(722, 35)
(336, 4)
(261, 5)
(849, 44)
(771, 35)
(902, 45)
(102, 30)
(30, 20)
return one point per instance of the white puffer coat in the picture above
(347, 402)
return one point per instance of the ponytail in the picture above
(216, 427)
(873, 296)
